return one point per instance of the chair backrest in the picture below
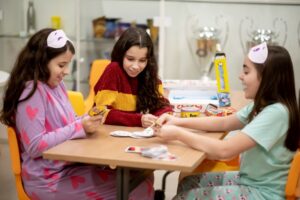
(97, 69)
(77, 102)
(16, 162)
(292, 188)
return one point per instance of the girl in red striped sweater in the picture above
(129, 87)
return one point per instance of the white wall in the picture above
(12, 11)
(179, 60)
(180, 63)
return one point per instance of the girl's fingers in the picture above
(159, 121)
(97, 118)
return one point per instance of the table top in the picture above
(103, 149)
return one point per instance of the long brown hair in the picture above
(148, 96)
(31, 64)
(278, 85)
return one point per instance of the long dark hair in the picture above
(148, 96)
(278, 85)
(31, 64)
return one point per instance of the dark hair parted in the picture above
(278, 85)
(148, 96)
(31, 64)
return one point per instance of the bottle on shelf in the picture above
(30, 18)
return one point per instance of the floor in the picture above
(8, 189)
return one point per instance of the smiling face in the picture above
(135, 60)
(58, 68)
(250, 79)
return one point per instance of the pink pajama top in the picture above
(43, 121)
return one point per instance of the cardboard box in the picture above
(194, 98)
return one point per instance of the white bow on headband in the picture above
(57, 39)
(259, 53)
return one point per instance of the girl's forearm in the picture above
(212, 147)
(202, 123)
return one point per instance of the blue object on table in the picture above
(214, 97)
(224, 99)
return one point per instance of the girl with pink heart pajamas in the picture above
(37, 106)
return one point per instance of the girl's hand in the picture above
(166, 119)
(91, 123)
(167, 132)
(147, 120)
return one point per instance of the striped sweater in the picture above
(116, 90)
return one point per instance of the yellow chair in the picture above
(292, 188)
(97, 68)
(16, 162)
(77, 102)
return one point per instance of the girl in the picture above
(129, 86)
(268, 138)
(37, 106)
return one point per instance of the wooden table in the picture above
(103, 149)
